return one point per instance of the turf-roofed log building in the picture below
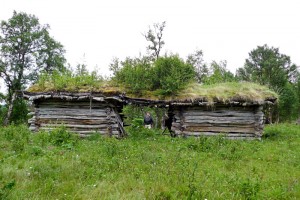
(82, 113)
(233, 112)
(233, 119)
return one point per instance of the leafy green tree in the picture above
(135, 74)
(196, 59)
(115, 66)
(154, 36)
(26, 49)
(170, 74)
(297, 88)
(219, 73)
(289, 103)
(267, 66)
(50, 57)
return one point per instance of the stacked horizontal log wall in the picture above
(82, 117)
(234, 122)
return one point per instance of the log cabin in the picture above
(234, 119)
(82, 113)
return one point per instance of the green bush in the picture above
(139, 132)
(18, 136)
(62, 137)
(137, 123)
(288, 103)
(135, 75)
(166, 75)
(20, 112)
(170, 74)
(3, 110)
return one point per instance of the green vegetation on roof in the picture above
(73, 82)
(168, 78)
(222, 92)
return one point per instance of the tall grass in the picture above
(59, 166)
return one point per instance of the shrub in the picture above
(135, 75)
(3, 110)
(288, 103)
(18, 136)
(20, 112)
(62, 137)
(137, 123)
(139, 132)
(170, 74)
(136, 112)
(166, 75)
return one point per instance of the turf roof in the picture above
(223, 92)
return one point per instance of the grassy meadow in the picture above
(147, 165)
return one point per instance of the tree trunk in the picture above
(10, 109)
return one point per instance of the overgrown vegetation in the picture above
(267, 66)
(165, 76)
(68, 80)
(56, 166)
(135, 115)
(224, 92)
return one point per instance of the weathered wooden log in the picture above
(221, 107)
(218, 113)
(188, 124)
(119, 123)
(63, 103)
(71, 117)
(72, 113)
(220, 129)
(48, 109)
(74, 121)
(75, 102)
(87, 106)
(187, 133)
(217, 121)
(80, 126)
(220, 118)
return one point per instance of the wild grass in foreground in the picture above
(58, 165)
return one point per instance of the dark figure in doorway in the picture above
(169, 118)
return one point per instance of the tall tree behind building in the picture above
(154, 36)
(267, 66)
(201, 69)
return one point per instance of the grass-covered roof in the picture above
(222, 92)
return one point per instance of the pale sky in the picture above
(222, 29)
